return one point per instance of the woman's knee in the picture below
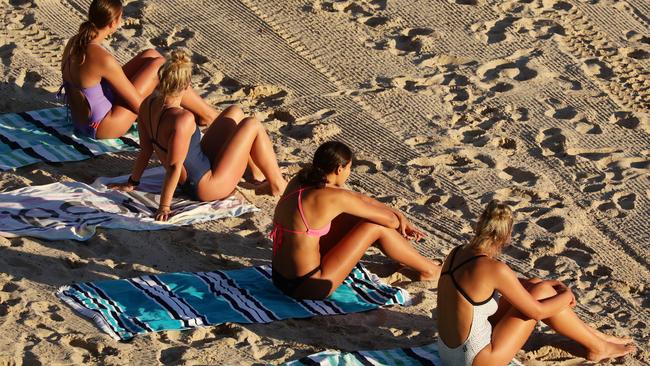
(542, 290)
(233, 112)
(151, 53)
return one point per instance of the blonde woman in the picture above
(104, 97)
(477, 330)
(207, 168)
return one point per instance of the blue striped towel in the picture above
(46, 135)
(424, 355)
(173, 301)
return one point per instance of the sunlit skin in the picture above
(130, 83)
(358, 222)
(522, 304)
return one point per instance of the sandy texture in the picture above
(447, 103)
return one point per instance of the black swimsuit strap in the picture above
(154, 137)
(451, 271)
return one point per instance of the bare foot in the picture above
(611, 350)
(433, 274)
(611, 338)
(266, 188)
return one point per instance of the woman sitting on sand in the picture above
(207, 168)
(322, 230)
(477, 330)
(103, 96)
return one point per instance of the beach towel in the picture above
(424, 355)
(46, 135)
(73, 210)
(173, 301)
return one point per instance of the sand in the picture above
(447, 103)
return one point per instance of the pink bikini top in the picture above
(276, 233)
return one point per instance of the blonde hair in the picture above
(493, 228)
(100, 14)
(175, 74)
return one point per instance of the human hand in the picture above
(163, 213)
(561, 288)
(124, 187)
(410, 231)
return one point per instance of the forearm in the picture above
(172, 176)
(140, 165)
(555, 304)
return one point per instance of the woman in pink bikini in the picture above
(321, 230)
(104, 98)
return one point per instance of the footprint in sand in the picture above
(502, 74)
(552, 141)
(629, 120)
(616, 204)
(315, 126)
(403, 42)
(552, 224)
(590, 183)
(174, 39)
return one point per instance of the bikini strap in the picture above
(300, 210)
(453, 268)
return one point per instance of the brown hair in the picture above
(328, 157)
(493, 228)
(175, 74)
(100, 14)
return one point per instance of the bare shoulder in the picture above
(183, 120)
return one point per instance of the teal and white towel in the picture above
(47, 135)
(416, 356)
(173, 301)
(73, 210)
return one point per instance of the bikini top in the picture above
(276, 233)
(451, 271)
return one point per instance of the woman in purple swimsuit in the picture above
(208, 167)
(104, 97)
(321, 230)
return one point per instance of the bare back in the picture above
(299, 252)
(455, 312)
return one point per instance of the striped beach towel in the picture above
(416, 356)
(173, 301)
(73, 210)
(46, 135)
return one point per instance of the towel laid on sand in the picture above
(46, 135)
(172, 301)
(425, 355)
(73, 210)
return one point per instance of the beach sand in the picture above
(447, 104)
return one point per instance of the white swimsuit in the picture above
(480, 333)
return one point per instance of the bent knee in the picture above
(542, 290)
(234, 112)
(151, 53)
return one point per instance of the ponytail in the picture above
(87, 32)
(327, 158)
(100, 14)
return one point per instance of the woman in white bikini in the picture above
(477, 330)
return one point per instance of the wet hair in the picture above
(328, 157)
(100, 14)
(493, 229)
(175, 74)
